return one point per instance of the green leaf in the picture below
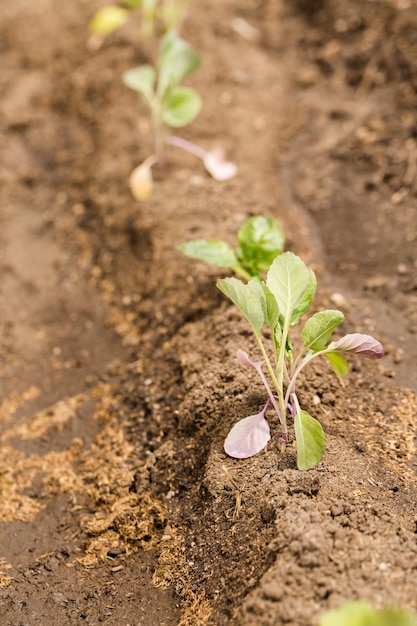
(269, 306)
(362, 614)
(271, 309)
(394, 617)
(176, 61)
(212, 251)
(141, 79)
(260, 239)
(310, 440)
(246, 298)
(293, 284)
(305, 301)
(349, 614)
(271, 314)
(108, 19)
(338, 362)
(319, 328)
(181, 107)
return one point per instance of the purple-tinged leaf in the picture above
(248, 436)
(243, 357)
(291, 409)
(365, 345)
(217, 166)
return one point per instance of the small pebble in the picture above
(339, 300)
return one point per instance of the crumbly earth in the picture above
(117, 354)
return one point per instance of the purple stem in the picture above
(265, 408)
(258, 367)
(186, 145)
(291, 409)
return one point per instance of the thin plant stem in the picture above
(240, 271)
(297, 360)
(280, 412)
(280, 370)
(158, 133)
(269, 390)
(296, 404)
(186, 145)
(304, 362)
(150, 160)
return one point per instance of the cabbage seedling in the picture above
(260, 240)
(171, 105)
(279, 303)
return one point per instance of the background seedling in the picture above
(260, 240)
(362, 614)
(168, 13)
(171, 105)
(279, 303)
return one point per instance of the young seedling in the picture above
(362, 614)
(171, 105)
(169, 13)
(279, 303)
(260, 240)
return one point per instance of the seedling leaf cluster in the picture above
(278, 304)
(171, 105)
(260, 240)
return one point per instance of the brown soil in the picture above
(118, 372)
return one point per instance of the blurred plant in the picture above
(260, 240)
(362, 614)
(169, 13)
(171, 105)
